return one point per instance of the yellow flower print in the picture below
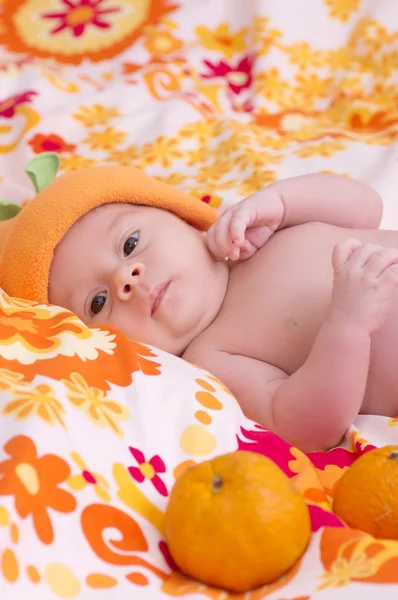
(304, 56)
(10, 380)
(386, 95)
(103, 412)
(343, 570)
(107, 139)
(232, 143)
(201, 130)
(163, 151)
(266, 139)
(342, 9)
(313, 85)
(374, 35)
(256, 181)
(324, 149)
(341, 58)
(213, 173)
(222, 39)
(271, 85)
(162, 42)
(174, 179)
(387, 65)
(88, 477)
(97, 114)
(255, 160)
(73, 162)
(41, 401)
(125, 157)
(193, 158)
(268, 40)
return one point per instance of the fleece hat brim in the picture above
(28, 240)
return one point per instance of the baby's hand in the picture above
(365, 277)
(244, 228)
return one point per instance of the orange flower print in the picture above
(36, 329)
(88, 477)
(50, 143)
(238, 77)
(78, 14)
(162, 42)
(222, 39)
(70, 31)
(8, 106)
(102, 411)
(41, 402)
(148, 470)
(34, 482)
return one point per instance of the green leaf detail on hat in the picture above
(8, 210)
(43, 169)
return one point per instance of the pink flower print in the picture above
(238, 77)
(148, 470)
(78, 14)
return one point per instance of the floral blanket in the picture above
(219, 98)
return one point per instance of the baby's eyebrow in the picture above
(115, 222)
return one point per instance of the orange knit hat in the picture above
(29, 239)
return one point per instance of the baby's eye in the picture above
(98, 303)
(131, 243)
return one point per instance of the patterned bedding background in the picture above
(218, 97)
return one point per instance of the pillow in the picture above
(94, 430)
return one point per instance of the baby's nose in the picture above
(127, 277)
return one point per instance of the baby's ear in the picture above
(42, 169)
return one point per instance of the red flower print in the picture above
(78, 14)
(238, 77)
(50, 143)
(148, 470)
(7, 106)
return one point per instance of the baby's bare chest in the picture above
(277, 300)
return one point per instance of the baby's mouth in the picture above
(157, 295)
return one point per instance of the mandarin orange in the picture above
(366, 497)
(236, 522)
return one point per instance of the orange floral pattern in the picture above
(34, 482)
(41, 402)
(50, 143)
(102, 411)
(76, 29)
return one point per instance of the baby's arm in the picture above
(328, 198)
(312, 408)
(315, 405)
(246, 227)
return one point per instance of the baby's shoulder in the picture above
(201, 350)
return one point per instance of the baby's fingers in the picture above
(388, 279)
(219, 239)
(343, 251)
(238, 226)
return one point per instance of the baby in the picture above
(289, 298)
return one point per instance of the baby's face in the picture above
(142, 270)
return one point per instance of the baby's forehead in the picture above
(101, 217)
(112, 210)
